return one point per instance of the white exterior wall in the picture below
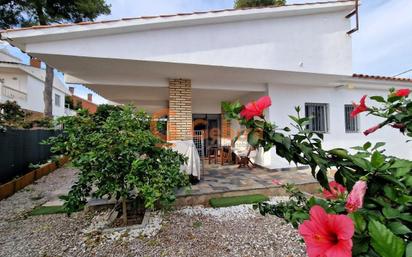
(285, 98)
(309, 43)
(35, 97)
(33, 89)
(18, 85)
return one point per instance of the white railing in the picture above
(13, 93)
(69, 112)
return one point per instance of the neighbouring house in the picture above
(25, 84)
(182, 66)
(79, 102)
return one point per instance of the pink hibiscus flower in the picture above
(276, 182)
(361, 107)
(355, 198)
(256, 108)
(335, 192)
(327, 235)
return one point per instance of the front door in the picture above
(210, 125)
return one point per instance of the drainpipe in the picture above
(354, 12)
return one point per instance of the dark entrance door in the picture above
(210, 125)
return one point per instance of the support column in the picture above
(226, 132)
(180, 109)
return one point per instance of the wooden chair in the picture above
(244, 160)
(222, 155)
(225, 155)
(213, 154)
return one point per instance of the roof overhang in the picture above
(19, 37)
(120, 72)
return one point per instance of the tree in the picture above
(24, 13)
(119, 157)
(258, 3)
(11, 114)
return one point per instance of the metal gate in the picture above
(198, 139)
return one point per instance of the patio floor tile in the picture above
(217, 179)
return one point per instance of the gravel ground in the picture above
(233, 231)
(36, 194)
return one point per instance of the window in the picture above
(56, 99)
(351, 123)
(319, 117)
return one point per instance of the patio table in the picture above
(188, 149)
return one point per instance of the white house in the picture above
(24, 84)
(184, 65)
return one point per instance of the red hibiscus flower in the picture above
(361, 107)
(256, 108)
(403, 92)
(371, 130)
(327, 235)
(355, 198)
(335, 192)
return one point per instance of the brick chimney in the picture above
(34, 62)
(71, 89)
(90, 97)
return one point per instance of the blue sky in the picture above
(383, 46)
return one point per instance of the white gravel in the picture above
(188, 232)
(239, 212)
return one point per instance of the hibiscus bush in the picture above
(396, 110)
(366, 210)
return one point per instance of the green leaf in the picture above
(364, 164)
(339, 152)
(401, 164)
(391, 213)
(378, 145)
(401, 172)
(322, 177)
(384, 242)
(358, 220)
(406, 217)
(377, 159)
(379, 99)
(398, 228)
(358, 148)
(393, 180)
(409, 250)
(367, 145)
(360, 245)
(253, 138)
(390, 192)
(295, 119)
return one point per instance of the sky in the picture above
(382, 46)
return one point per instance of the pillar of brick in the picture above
(226, 132)
(180, 109)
